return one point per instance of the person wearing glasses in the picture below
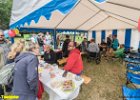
(74, 62)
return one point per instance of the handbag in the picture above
(40, 90)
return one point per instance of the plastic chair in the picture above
(94, 56)
(131, 94)
(133, 67)
(132, 60)
(133, 78)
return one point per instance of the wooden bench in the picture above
(86, 79)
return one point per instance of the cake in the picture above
(68, 85)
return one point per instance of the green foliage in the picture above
(5, 13)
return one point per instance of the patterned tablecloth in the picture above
(51, 77)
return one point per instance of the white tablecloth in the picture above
(58, 93)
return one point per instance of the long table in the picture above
(55, 91)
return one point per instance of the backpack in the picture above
(6, 74)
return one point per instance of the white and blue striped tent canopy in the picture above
(98, 17)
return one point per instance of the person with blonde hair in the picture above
(16, 49)
(22, 41)
(25, 83)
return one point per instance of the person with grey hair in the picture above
(93, 47)
(25, 83)
(49, 55)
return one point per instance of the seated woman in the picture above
(93, 48)
(49, 55)
(119, 52)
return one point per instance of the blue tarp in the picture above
(94, 35)
(103, 35)
(128, 38)
(131, 94)
(114, 32)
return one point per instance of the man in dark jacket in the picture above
(26, 74)
(65, 46)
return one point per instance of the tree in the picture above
(5, 13)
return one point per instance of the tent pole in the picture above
(112, 29)
(88, 19)
(111, 12)
(121, 16)
(12, 40)
(54, 39)
(99, 23)
(87, 35)
(134, 8)
(74, 36)
(122, 21)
